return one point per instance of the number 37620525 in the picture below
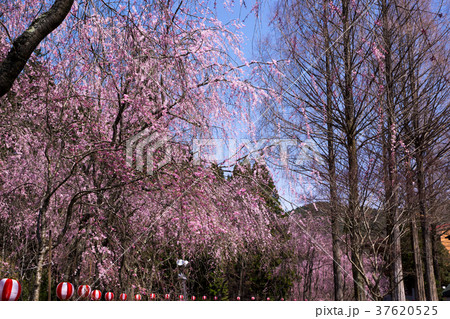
(407, 310)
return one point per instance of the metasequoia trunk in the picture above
(415, 243)
(391, 184)
(426, 231)
(418, 263)
(434, 244)
(354, 213)
(431, 291)
(411, 198)
(337, 268)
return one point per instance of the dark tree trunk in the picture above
(354, 213)
(430, 279)
(391, 184)
(411, 198)
(418, 263)
(42, 247)
(28, 41)
(415, 243)
(334, 213)
(435, 242)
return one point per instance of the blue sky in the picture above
(255, 29)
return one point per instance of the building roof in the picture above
(445, 236)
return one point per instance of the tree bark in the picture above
(354, 213)
(431, 289)
(49, 279)
(411, 198)
(42, 247)
(391, 183)
(334, 215)
(434, 245)
(420, 283)
(39, 271)
(417, 251)
(27, 42)
(419, 156)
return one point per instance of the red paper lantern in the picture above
(123, 297)
(64, 290)
(253, 298)
(109, 296)
(167, 296)
(96, 295)
(268, 299)
(152, 296)
(181, 297)
(84, 291)
(282, 299)
(204, 297)
(193, 298)
(137, 297)
(215, 298)
(10, 289)
(238, 298)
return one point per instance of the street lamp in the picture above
(181, 275)
(181, 262)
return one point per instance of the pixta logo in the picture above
(301, 152)
(143, 147)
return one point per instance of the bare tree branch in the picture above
(28, 41)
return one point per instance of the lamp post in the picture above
(181, 275)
